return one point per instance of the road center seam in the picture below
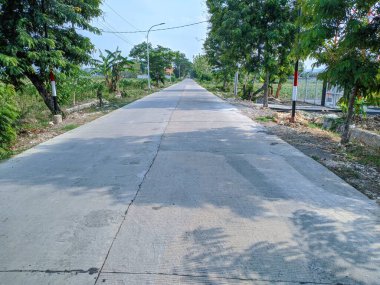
(140, 185)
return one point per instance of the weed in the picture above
(362, 154)
(314, 125)
(316, 158)
(347, 172)
(69, 127)
(265, 119)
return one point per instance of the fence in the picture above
(310, 91)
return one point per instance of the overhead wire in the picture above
(161, 29)
(122, 17)
(109, 26)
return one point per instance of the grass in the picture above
(314, 125)
(315, 157)
(363, 154)
(347, 172)
(265, 119)
(69, 127)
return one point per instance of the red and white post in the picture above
(54, 92)
(294, 93)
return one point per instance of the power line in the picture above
(117, 13)
(162, 29)
(109, 26)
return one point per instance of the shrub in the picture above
(8, 116)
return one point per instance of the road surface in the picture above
(180, 188)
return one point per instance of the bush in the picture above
(133, 83)
(8, 116)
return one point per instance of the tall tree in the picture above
(39, 35)
(138, 52)
(344, 36)
(217, 55)
(256, 34)
(159, 58)
(201, 68)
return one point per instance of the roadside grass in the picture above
(265, 119)
(69, 127)
(363, 155)
(316, 158)
(217, 88)
(314, 125)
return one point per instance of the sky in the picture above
(132, 15)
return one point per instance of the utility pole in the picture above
(147, 50)
(295, 82)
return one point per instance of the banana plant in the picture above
(111, 65)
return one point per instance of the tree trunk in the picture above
(266, 90)
(350, 112)
(224, 84)
(99, 94)
(38, 83)
(253, 87)
(279, 87)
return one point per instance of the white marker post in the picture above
(295, 91)
(54, 92)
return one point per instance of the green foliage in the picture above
(75, 86)
(266, 119)
(182, 66)
(256, 34)
(340, 35)
(359, 107)
(133, 84)
(201, 68)
(8, 116)
(36, 36)
(160, 58)
(139, 53)
(111, 67)
(69, 127)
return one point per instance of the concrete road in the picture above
(180, 188)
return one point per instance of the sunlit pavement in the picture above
(180, 188)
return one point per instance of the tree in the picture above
(201, 68)
(111, 66)
(345, 37)
(138, 52)
(37, 36)
(182, 65)
(257, 34)
(219, 58)
(159, 58)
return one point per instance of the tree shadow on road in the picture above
(322, 252)
(239, 170)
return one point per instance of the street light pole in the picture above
(147, 50)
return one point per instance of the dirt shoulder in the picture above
(356, 164)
